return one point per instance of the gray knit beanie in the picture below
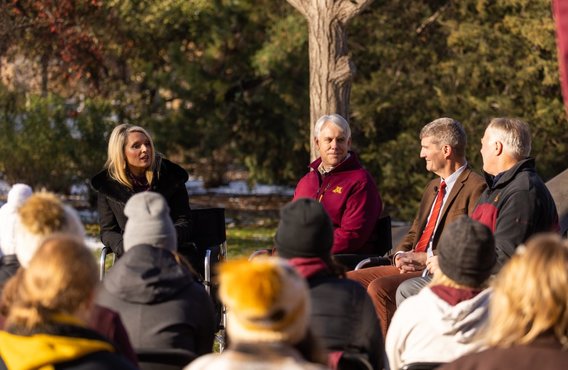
(305, 230)
(149, 222)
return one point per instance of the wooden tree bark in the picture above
(331, 68)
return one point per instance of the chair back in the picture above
(208, 227)
(209, 239)
(381, 239)
(207, 244)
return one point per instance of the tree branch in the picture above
(431, 19)
(301, 6)
(347, 9)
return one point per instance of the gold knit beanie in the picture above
(266, 300)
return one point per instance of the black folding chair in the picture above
(209, 239)
(382, 241)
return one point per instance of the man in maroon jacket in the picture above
(344, 188)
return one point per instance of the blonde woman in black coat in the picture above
(133, 166)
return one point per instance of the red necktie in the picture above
(422, 244)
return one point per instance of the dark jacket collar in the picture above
(505, 177)
(310, 267)
(169, 173)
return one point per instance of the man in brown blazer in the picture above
(453, 193)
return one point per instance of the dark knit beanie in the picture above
(305, 230)
(466, 252)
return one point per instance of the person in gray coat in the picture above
(162, 304)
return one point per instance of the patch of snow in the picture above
(79, 189)
(88, 216)
(195, 186)
(4, 188)
(241, 187)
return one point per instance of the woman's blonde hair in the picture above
(530, 294)
(60, 279)
(116, 159)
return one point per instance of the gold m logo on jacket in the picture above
(337, 190)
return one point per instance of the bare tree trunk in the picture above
(331, 69)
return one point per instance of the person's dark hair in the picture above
(530, 294)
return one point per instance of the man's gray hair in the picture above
(514, 134)
(446, 131)
(337, 120)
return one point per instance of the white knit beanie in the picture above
(149, 222)
(19, 193)
(40, 216)
(9, 217)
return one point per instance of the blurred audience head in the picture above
(530, 295)
(59, 281)
(40, 216)
(305, 230)
(466, 254)
(267, 301)
(149, 222)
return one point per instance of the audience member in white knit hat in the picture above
(268, 311)
(42, 215)
(8, 219)
(162, 304)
